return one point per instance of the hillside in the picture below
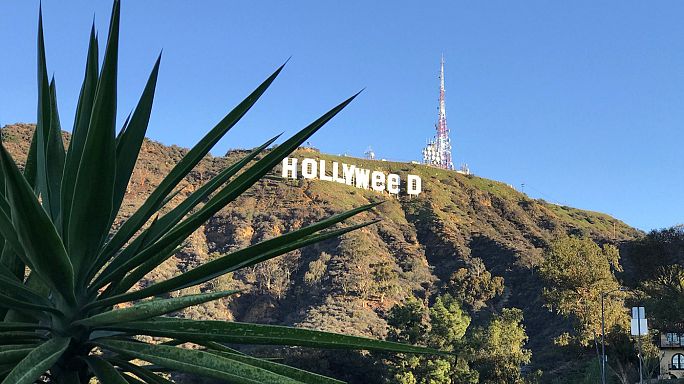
(461, 229)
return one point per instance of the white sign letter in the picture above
(414, 185)
(348, 172)
(322, 175)
(336, 173)
(393, 183)
(378, 181)
(361, 176)
(290, 168)
(309, 168)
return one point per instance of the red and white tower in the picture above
(438, 150)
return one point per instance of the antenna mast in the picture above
(438, 151)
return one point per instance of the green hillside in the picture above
(461, 228)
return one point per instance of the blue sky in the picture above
(582, 101)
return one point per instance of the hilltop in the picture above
(463, 234)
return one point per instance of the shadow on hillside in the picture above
(523, 290)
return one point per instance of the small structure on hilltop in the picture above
(369, 154)
(464, 169)
(437, 152)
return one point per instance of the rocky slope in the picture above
(459, 230)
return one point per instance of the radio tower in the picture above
(438, 150)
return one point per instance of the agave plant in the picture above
(65, 268)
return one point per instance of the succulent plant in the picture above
(66, 268)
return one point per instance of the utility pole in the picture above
(638, 313)
(603, 340)
(641, 375)
(603, 332)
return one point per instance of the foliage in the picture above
(56, 222)
(499, 348)
(272, 277)
(475, 285)
(448, 323)
(659, 248)
(591, 373)
(577, 271)
(384, 277)
(665, 298)
(443, 326)
(623, 360)
(492, 354)
(409, 322)
(317, 269)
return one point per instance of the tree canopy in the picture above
(578, 272)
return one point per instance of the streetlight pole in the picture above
(603, 341)
(603, 332)
(641, 375)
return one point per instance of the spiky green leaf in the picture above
(13, 356)
(151, 308)
(214, 346)
(141, 372)
(47, 257)
(12, 347)
(197, 362)
(245, 333)
(8, 257)
(5, 369)
(79, 133)
(37, 362)
(250, 176)
(30, 165)
(231, 262)
(19, 337)
(152, 204)
(43, 122)
(11, 261)
(92, 199)
(172, 218)
(9, 233)
(281, 369)
(9, 302)
(131, 139)
(20, 296)
(5, 326)
(236, 187)
(104, 371)
(132, 380)
(55, 158)
(159, 227)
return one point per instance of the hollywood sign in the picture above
(350, 175)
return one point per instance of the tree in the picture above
(474, 285)
(577, 271)
(665, 298)
(409, 322)
(385, 279)
(623, 360)
(448, 324)
(499, 348)
(659, 248)
(317, 269)
(443, 326)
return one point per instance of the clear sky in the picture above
(582, 101)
